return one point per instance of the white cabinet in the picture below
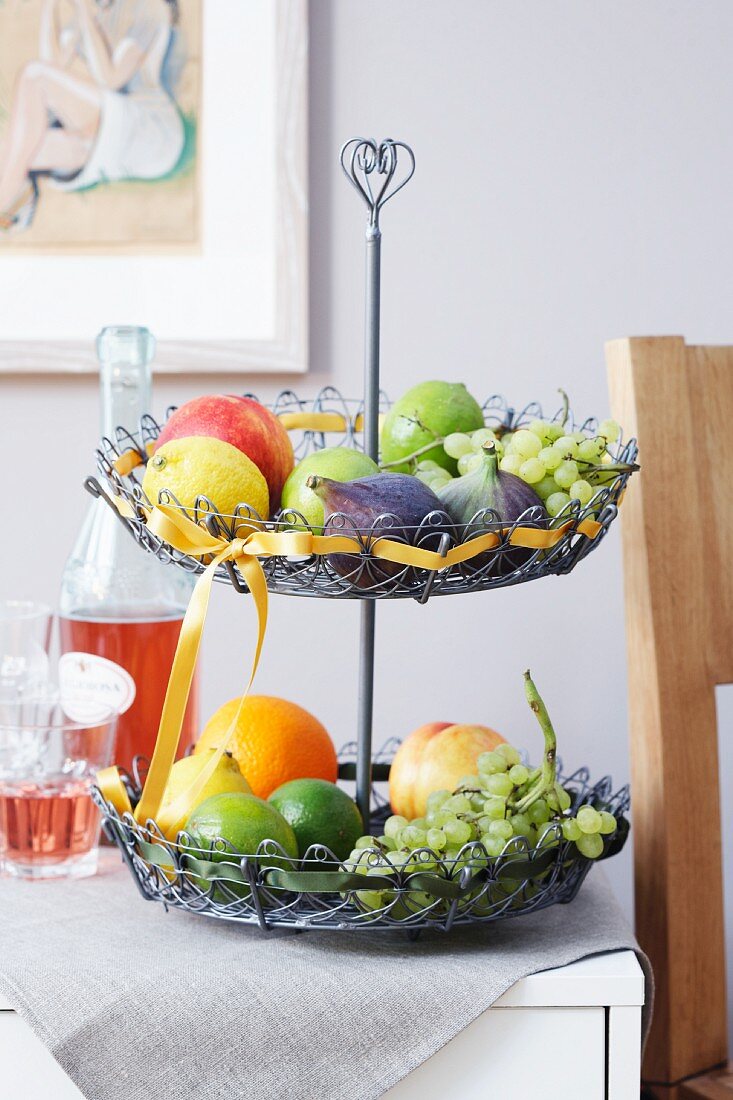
(574, 1032)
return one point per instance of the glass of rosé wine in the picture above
(50, 754)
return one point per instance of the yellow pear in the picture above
(227, 778)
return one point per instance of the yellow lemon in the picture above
(226, 779)
(204, 466)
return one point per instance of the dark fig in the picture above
(488, 487)
(401, 500)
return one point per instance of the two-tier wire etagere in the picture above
(266, 887)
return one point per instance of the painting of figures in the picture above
(99, 120)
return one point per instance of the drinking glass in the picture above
(49, 757)
(25, 636)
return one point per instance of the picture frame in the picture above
(238, 301)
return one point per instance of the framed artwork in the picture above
(153, 171)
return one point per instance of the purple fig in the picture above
(488, 487)
(403, 500)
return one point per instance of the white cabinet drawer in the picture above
(519, 1052)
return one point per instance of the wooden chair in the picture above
(677, 524)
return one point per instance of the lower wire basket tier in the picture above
(271, 890)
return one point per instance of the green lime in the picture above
(337, 463)
(430, 410)
(319, 813)
(243, 821)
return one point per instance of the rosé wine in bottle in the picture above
(116, 600)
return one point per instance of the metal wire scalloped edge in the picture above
(316, 576)
(175, 885)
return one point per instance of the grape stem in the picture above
(546, 779)
(416, 454)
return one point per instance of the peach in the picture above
(246, 425)
(435, 757)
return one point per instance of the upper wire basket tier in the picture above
(270, 889)
(370, 577)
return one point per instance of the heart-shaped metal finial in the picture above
(362, 157)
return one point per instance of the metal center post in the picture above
(367, 163)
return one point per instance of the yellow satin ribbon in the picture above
(173, 527)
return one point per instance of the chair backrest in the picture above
(677, 529)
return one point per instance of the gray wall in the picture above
(573, 184)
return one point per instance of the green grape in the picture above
(457, 832)
(610, 430)
(457, 444)
(499, 784)
(469, 783)
(570, 828)
(550, 458)
(532, 471)
(518, 774)
(502, 829)
(590, 845)
(581, 490)
(546, 487)
(366, 842)
(436, 819)
(539, 427)
(393, 825)
(481, 436)
(588, 819)
(608, 823)
(579, 437)
(511, 464)
(564, 800)
(495, 807)
(491, 762)
(566, 473)
(372, 899)
(539, 812)
(554, 431)
(546, 836)
(483, 823)
(494, 845)
(566, 446)
(426, 476)
(457, 804)
(437, 839)
(526, 444)
(428, 464)
(590, 450)
(436, 799)
(509, 753)
(414, 837)
(556, 502)
(420, 822)
(396, 860)
(388, 842)
(436, 480)
(477, 801)
(521, 825)
(469, 462)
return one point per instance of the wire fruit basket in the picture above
(271, 890)
(314, 575)
(267, 888)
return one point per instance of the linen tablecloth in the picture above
(137, 1004)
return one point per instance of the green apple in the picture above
(430, 410)
(337, 463)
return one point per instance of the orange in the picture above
(275, 741)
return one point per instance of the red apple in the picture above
(435, 757)
(244, 423)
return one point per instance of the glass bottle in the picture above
(116, 600)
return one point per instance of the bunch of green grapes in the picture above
(505, 800)
(561, 466)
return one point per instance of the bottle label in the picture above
(88, 682)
